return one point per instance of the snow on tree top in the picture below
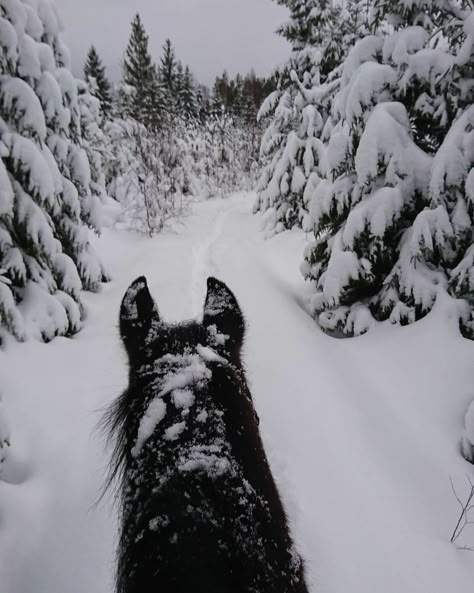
(400, 45)
(34, 27)
(50, 18)
(455, 157)
(343, 266)
(6, 191)
(378, 211)
(18, 98)
(387, 136)
(366, 87)
(50, 96)
(469, 25)
(364, 50)
(8, 40)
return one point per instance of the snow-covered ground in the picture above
(363, 434)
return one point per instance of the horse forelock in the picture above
(188, 364)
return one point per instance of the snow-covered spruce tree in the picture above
(297, 112)
(293, 148)
(99, 85)
(439, 99)
(445, 233)
(179, 82)
(312, 31)
(43, 239)
(94, 144)
(187, 99)
(168, 75)
(380, 233)
(85, 183)
(141, 98)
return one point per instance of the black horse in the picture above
(200, 509)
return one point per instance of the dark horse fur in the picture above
(200, 509)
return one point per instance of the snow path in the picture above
(205, 263)
(362, 434)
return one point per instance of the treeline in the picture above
(150, 92)
(242, 96)
(169, 137)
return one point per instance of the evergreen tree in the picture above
(393, 227)
(242, 99)
(178, 90)
(46, 199)
(94, 75)
(312, 28)
(188, 99)
(221, 94)
(444, 236)
(203, 103)
(145, 100)
(297, 112)
(168, 72)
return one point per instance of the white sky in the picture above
(209, 35)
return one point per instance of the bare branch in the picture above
(464, 518)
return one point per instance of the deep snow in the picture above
(363, 434)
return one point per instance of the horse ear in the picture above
(138, 313)
(222, 310)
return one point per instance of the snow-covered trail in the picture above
(362, 434)
(367, 487)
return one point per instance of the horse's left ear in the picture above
(138, 313)
(222, 310)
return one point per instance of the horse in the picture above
(199, 508)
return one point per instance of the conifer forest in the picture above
(332, 197)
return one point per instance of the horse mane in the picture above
(112, 427)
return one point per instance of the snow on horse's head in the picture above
(200, 509)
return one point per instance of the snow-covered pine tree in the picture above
(95, 145)
(220, 95)
(203, 102)
(43, 239)
(142, 98)
(168, 73)
(99, 85)
(251, 130)
(385, 216)
(444, 235)
(188, 99)
(297, 112)
(312, 32)
(178, 86)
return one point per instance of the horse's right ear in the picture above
(138, 314)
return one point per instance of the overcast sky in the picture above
(209, 35)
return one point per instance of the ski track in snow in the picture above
(362, 434)
(205, 262)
